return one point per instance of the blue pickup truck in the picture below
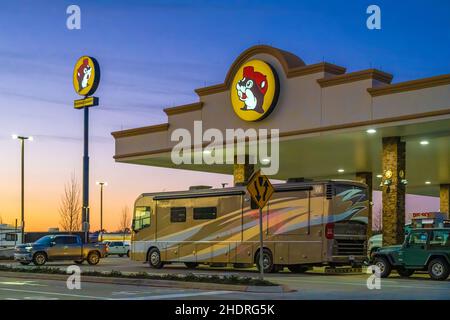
(60, 247)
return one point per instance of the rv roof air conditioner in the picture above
(302, 179)
(199, 187)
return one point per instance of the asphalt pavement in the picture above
(312, 285)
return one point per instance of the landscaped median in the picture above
(191, 281)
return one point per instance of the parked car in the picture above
(375, 242)
(59, 247)
(423, 249)
(119, 248)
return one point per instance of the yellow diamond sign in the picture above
(260, 189)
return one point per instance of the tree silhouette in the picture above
(125, 220)
(70, 207)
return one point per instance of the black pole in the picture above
(85, 213)
(23, 190)
(261, 245)
(15, 238)
(101, 210)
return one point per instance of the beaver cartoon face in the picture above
(251, 89)
(84, 74)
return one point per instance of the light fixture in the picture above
(101, 183)
(265, 160)
(379, 176)
(17, 137)
(427, 182)
(341, 170)
(371, 131)
(424, 142)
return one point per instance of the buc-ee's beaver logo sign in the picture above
(86, 76)
(254, 90)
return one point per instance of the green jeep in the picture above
(423, 249)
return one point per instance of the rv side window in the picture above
(141, 218)
(11, 237)
(178, 214)
(205, 213)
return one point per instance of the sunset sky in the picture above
(153, 54)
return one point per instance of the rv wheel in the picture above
(154, 259)
(267, 261)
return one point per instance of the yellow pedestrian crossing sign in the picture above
(260, 188)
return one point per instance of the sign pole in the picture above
(23, 190)
(86, 77)
(85, 214)
(261, 191)
(261, 245)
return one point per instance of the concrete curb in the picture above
(153, 283)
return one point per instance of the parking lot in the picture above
(311, 285)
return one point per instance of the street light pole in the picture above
(101, 184)
(22, 179)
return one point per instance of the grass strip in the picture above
(189, 277)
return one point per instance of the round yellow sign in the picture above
(254, 90)
(86, 76)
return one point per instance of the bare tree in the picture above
(377, 222)
(70, 207)
(125, 222)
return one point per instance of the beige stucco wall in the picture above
(303, 105)
(141, 143)
(411, 102)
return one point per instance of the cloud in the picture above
(34, 98)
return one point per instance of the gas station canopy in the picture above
(323, 115)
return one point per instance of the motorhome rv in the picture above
(305, 224)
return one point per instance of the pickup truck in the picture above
(423, 249)
(59, 247)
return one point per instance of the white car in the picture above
(375, 242)
(119, 248)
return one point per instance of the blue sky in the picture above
(153, 55)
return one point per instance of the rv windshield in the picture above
(141, 218)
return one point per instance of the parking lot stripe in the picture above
(179, 295)
(55, 294)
